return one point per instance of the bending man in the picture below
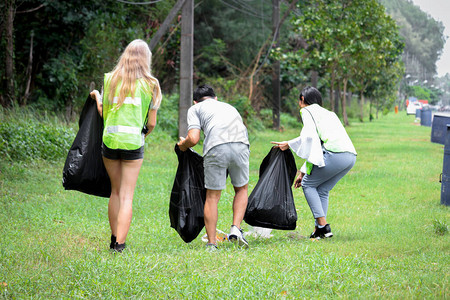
(225, 148)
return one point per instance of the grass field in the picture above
(391, 233)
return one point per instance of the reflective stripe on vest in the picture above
(123, 129)
(128, 100)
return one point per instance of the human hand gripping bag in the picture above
(84, 170)
(271, 203)
(188, 196)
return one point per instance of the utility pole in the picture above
(276, 95)
(186, 64)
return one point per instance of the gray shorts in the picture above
(233, 157)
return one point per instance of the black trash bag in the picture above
(271, 203)
(84, 170)
(188, 196)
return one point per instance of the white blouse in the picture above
(318, 121)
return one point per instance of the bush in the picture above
(246, 111)
(22, 141)
(168, 115)
(24, 137)
(286, 120)
(289, 121)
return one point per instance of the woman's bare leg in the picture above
(113, 167)
(130, 172)
(123, 175)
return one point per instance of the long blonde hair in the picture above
(134, 63)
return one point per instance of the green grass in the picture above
(391, 233)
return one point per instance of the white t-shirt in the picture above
(220, 122)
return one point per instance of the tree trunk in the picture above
(314, 78)
(165, 25)
(377, 107)
(361, 106)
(69, 110)
(276, 94)
(344, 103)
(24, 100)
(332, 91)
(9, 57)
(337, 96)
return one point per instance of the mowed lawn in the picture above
(391, 236)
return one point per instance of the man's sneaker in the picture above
(321, 233)
(211, 247)
(236, 235)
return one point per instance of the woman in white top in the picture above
(329, 155)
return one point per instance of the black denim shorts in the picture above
(122, 154)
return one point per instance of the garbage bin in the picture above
(418, 112)
(445, 177)
(425, 117)
(439, 128)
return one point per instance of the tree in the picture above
(348, 41)
(423, 37)
(9, 53)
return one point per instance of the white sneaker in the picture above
(211, 247)
(236, 235)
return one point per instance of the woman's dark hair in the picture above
(203, 91)
(311, 95)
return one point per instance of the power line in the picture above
(241, 10)
(139, 3)
(245, 6)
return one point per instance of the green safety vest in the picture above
(123, 125)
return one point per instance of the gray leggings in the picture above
(319, 183)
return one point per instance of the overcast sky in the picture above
(440, 11)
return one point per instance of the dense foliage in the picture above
(74, 44)
(56, 50)
(24, 137)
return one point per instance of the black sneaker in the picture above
(119, 247)
(322, 233)
(113, 242)
(315, 235)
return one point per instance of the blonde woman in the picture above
(131, 98)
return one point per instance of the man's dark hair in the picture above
(203, 91)
(311, 95)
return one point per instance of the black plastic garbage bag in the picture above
(84, 170)
(188, 196)
(271, 203)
